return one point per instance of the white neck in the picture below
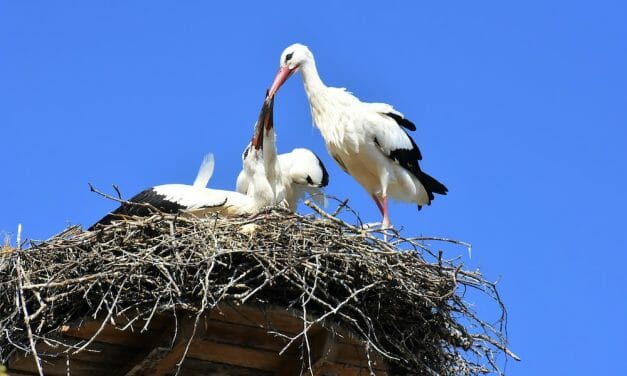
(311, 79)
(270, 161)
(316, 94)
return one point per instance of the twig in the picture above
(404, 300)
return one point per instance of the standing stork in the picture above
(290, 174)
(198, 200)
(368, 140)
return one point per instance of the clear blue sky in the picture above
(521, 110)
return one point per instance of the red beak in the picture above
(270, 119)
(257, 141)
(264, 121)
(282, 76)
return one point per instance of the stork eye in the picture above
(310, 180)
(288, 56)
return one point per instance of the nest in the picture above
(406, 302)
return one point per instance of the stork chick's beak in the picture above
(270, 119)
(282, 76)
(265, 117)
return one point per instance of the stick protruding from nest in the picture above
(404, 300)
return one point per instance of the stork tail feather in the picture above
(432, 185)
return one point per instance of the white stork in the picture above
(290, 174)
(301, 172)
(366, 139)
(198, 200)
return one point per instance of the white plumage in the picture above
(366, 139)
(290, 174)
(205, 171)
(198, 200)
(301, 171)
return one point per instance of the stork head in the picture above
(292, 59)
(305, 168)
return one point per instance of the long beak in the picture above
(270, 119)
(264, 118)
(282, 76)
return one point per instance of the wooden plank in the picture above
(148, 354)
(111, 334)
(276, 319)
(335, 369)
(56, 366)
(347, 349)
(144, 362)
(234, 355)
(320, 343)
(196, 367)
(322, 348)
(326, 350)
(232, 335)
(177, 354)
(21, 373)
(354, 355)
(97, 355)
(243, 335)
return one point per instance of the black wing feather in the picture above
(402, 121)
(148, 196)
(409, 160)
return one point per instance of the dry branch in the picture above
(405, 301)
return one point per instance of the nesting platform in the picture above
(277, 293)
(228, 340)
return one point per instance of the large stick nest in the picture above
(405, 301)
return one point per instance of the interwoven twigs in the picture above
(404, 300)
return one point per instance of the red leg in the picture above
(376, 201)
(384, 210)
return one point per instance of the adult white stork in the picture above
(366, 139)
(198, 200)
(290, 174)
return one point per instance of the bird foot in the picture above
(379, 226)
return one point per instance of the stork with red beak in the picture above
(368, 140)
(197, 200)
(291, 174)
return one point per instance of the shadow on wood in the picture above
(229, 340)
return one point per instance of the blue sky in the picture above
(520, 109)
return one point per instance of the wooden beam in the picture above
(335, 369)
(327, 353)
(234, 336)
(55, 365)
(112, 334)
(177, 352)
(320, 346)
(277, 319)
(55, 358)
(201, 367)
(164, 352)
(323, 348)
(234, 355)
(243, 335)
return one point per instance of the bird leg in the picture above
(386, 217)
(376, 201)
(383, 208)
